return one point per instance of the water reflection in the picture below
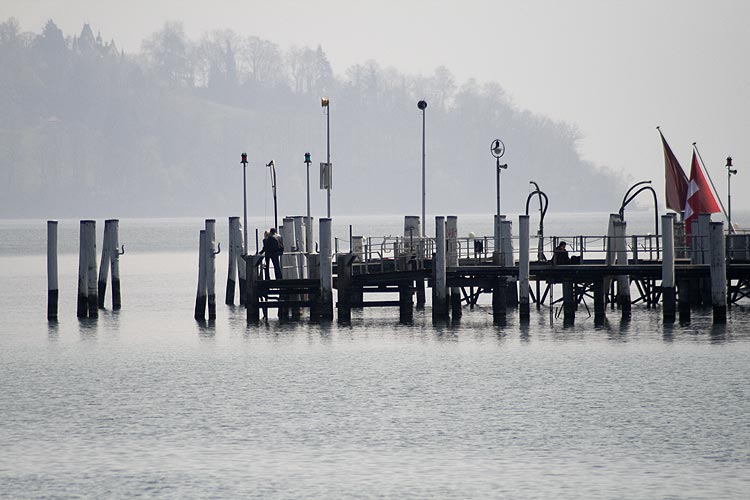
(53, 330)
(206, 330)
(88, 328)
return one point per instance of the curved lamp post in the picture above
(422, 105)
(543, 204)
(645, 186)
(730, 173)
(272, 165)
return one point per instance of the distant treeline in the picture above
(88, 130)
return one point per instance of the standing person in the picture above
(561, 254)
(273, 248)
(264, 250)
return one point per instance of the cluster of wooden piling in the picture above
(91, 289)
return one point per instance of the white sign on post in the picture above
(326, 175)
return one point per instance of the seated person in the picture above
(560, 257)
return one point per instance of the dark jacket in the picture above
(273, 246)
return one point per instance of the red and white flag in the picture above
(700, 198)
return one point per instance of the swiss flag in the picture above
(700, 199)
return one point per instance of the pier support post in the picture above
(252, 299)
(667, 269)
(684, 293)
(523, 267)
(705, 246)
(232, 266)
(405, 303)
(289, 264)
(200, 296)
(599, 302)
(211, 267)
(326, 271)
(569, 303)
(439, 289)
(506, 239)
(313, 264)
(53, 291)
(718, 272)
(451, 234)
(344, 286)
(623, 280)
(499, 302)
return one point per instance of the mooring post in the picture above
(696, 257)
(89, 303)
(252, 299)
(326, 270)
(439, 290)
(313, 262)
(53, 291)
(667, 269)
(241, 252)
(523, 267)
(289, 264)
(309, 237)
(718, 272)
(611, 255)
(211, 267)
(684, 292)
(623, 280)
(104, 266)
(506, 238)
(499, 303)
(200, 296)
(114, 255)
(599, 302)
(569, 303)
(451, 234)
(405, 303)
(344, 286)
(300, 236)
(232, 267)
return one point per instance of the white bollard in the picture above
(200, 296)
(300, 236)
(667, 269)
(52, 286)
(288, 260)
(326, 271)
(718, 271)
(211, 267)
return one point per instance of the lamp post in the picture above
(308, 222)
(422, 105)
(244, 195)
(272, 165)
(730, 172)
(325, 103)
(497, 148)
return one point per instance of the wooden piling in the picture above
(344, 286)
(200, 296)
(405, 303)
(523, 267)
(706, 287)
(232, 266)
(313, 263)
(569, 304)
(300, 236)
(326, 270)
(439, 290)
(92, 302)
(104, 266)
(241, 252)
(623, 280)
(667, 269)
(289, 264)
(114, 256)
(53, 291)
(718, 272)
(499, 302)
(252, 297)
(683, 297)
(599, 302)
(211, 267)
(451, 234)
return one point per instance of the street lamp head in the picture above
(244, 159)
(324, 102)
(497, 148)
(271, 164)
(729, 161)
(422, 105)
(307, 158)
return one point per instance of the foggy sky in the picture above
(616, 69)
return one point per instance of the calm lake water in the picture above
(147, 403)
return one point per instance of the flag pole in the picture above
(721, 204)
